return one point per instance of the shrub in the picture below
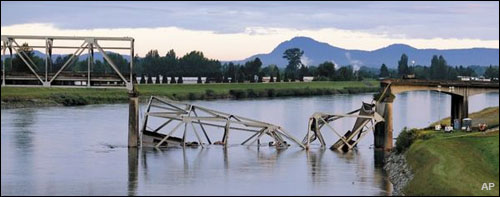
(150, 79)
(194, 96)
(157, 81)
(251, 93)
(69, 99)
(321, 78)
(239, 94)
(210, 93)
(262, 93)
(405, 139)
(164, 80)
(271, 92)
(143, 79)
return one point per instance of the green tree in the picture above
(164, 79)
(278, 76)
(403, 65)
(345, 73)
(434, 69)
(169, 64)
(326, 69)
(157, 81)
(150, 79)
(384, 72)
(491, 72)
(293, 56)
(152, 63)
(252, 69)
(143, 79)
(26, 52)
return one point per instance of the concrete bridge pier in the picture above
(133, 119)
(459, 108)
(383, 130)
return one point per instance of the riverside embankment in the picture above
(436, 163)
(15, 97)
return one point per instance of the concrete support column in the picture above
(133, 120)
(388, 126)
(383, 130)
(459, 108)
(379, 135)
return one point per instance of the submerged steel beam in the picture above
(189, 114)
(367, 115)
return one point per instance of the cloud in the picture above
(415, 20)
(238, 46)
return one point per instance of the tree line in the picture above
(195, 64)
(438, 70)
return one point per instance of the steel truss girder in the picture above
(185, 113)
(90, 43)
(318, 120)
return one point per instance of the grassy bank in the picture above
(19, 97)
(488, 115)
(456, 163)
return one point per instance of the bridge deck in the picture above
(419, 82)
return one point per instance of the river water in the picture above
(82, 151)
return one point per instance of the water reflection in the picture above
(315, 165)
(23, 120)
(133, 163)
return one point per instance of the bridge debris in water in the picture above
(366, 115)
(187, 115)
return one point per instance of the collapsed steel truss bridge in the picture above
(188, 115)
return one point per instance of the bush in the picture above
(271, 92)
(164, 80)
(69, 99)
(239, 94)
(193, 96)
(157, 81)
(251, 93)
(150, 79)
(321, 78)
(405, 139)
(210, 93)
(262, 93)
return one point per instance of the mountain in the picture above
(317, 52)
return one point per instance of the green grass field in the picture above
(457, 163)
(75, 96)
(488, 115)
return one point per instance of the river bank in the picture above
(17, 97)
(456, 163)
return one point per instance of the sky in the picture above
(237, 30)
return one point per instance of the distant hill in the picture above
(317, 52)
